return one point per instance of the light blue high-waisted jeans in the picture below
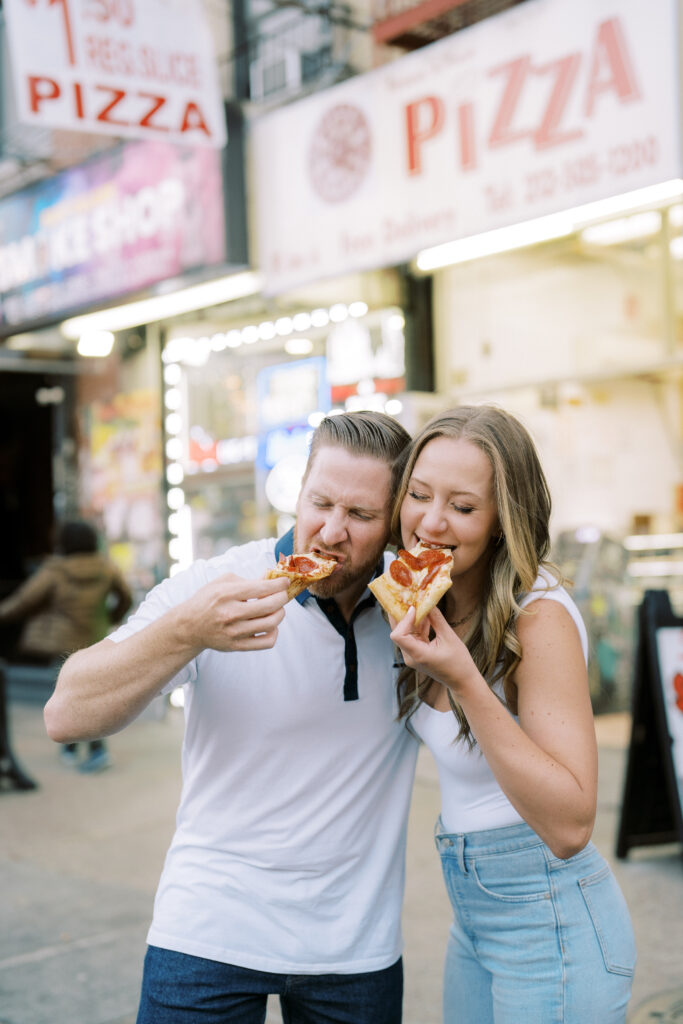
(534, 939)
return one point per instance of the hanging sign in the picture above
(550, 105)
(131, 68)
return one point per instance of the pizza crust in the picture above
(394, 603)
(296, 585)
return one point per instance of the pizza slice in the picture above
(301, 570)
(417, 578)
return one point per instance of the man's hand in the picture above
(233, 614)
(102, 688)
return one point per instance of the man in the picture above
(285, 874)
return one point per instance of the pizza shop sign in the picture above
(560, 87)
(548, 106)
(130, 68)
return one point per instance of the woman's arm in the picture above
(547, 764)
(104, 687)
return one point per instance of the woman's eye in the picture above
(418, 497)
(464, 509)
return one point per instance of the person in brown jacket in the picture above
(71, 602)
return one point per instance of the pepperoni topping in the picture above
(302, 564)
(429, 576)
(411, 561)
(433, 556)
(401, 574)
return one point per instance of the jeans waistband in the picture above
(493, 840)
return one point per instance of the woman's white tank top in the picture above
(471, 799)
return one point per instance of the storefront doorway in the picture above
(26, 508)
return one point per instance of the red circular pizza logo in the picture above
(340, 153)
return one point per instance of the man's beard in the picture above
(345, 576)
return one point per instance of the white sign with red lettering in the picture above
(132, 68)
(550, 105)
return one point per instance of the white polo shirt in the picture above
(289, 849)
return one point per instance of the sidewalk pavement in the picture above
(81, 855)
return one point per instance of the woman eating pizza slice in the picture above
(495, 684)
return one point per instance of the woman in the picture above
(495, 684)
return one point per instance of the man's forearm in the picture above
(104, 687)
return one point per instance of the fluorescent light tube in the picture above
(160, 307)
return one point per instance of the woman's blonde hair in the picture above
(523, 504)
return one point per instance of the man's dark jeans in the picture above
(182, 989)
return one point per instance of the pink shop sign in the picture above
(110, 227)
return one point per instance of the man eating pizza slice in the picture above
(288, 857)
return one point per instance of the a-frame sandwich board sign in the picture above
(653, 788)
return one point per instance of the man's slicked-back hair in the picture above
(374, 434)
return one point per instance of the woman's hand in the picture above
(443, 657)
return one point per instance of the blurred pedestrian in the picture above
(70, 602)
(496, 687)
